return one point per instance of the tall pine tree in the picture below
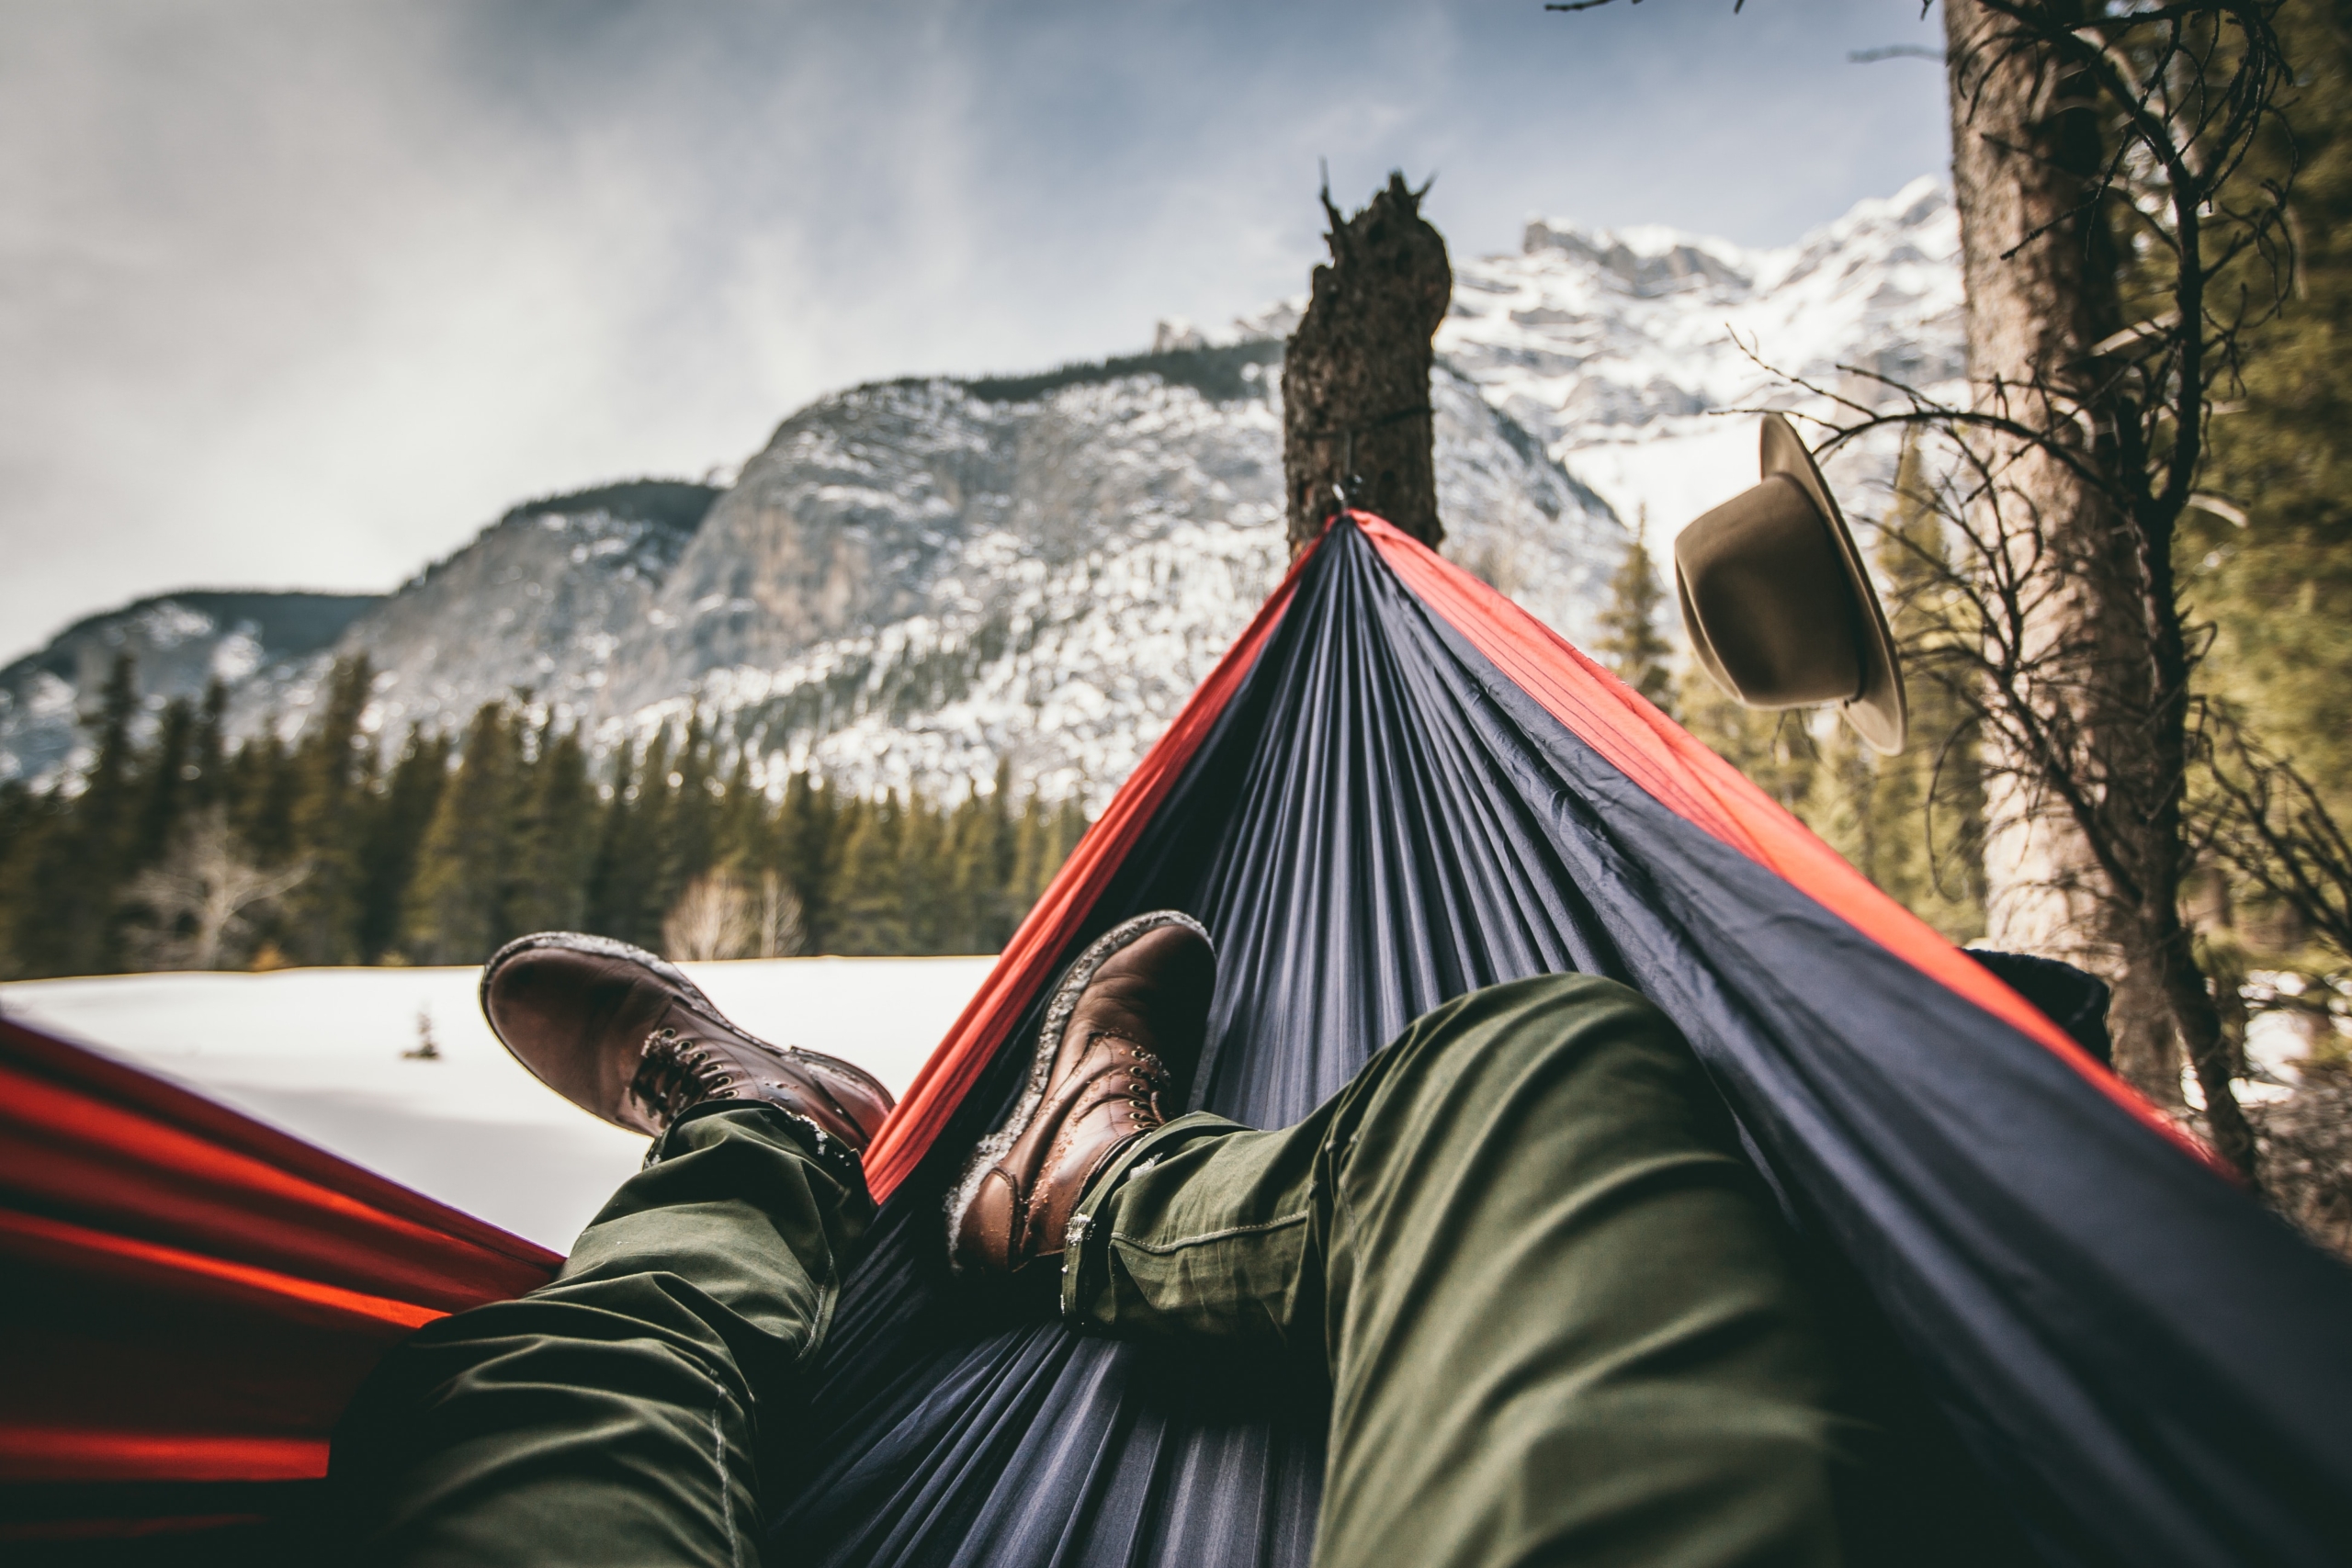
(396, 830)
(332, 770)
(83, 893)
(1631, 643)
(2278, 589)
(555, 835)
(868, 916)
(458, 905)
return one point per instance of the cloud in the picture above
(304, 295)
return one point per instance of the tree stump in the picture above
(1356, 373)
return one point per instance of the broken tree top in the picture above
(1356, 375)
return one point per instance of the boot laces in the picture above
(677, 1072)
(1145, 1073)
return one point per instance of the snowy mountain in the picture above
(1619, 348)
(917, 578)
(539, 603)
(181, 641)
(1627, 351)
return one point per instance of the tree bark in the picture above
(2041, 291)
(2084, 852)
(2022, 161)
(1356, 414)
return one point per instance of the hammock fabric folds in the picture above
(191, 1298)
(1398, 787)
(2090, 1347)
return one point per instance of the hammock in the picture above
(2092, 1348)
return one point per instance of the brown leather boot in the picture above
(621, 1033)
(1122, 1037)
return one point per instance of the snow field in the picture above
(320, 1053)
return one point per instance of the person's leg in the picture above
(1559, 1312)
(614, 1417)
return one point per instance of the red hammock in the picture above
(193, 1296)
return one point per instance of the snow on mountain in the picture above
(536, 604)
(181, 642)
(915, 579)
(1623, 348)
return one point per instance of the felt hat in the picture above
(1778, 605)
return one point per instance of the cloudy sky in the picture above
(302, 295)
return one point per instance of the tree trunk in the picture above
(2085, 855)
(1356, 373)
(2024, 155)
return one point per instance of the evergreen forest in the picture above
(181, 850)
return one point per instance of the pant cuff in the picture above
(1086, 1250)
(828, 1153)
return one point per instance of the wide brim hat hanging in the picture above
(1778, 605)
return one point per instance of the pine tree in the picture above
(84, 900)
(744, 837)
(867, 914)
(1631, 643)
(209, 752)
(260, 795)
(168, 776)
(396, 830)
(1775, 750)
(809, 844)
(688, 824)
(36, 853)
(1844, 803)
(1930, 806)
(556, 835)
(624, 888)
(1032, 850)
(332, 772)
(605, 867)
(980, 867)
(1912, 823)
(926, 878)
(1071, 829)
(458, 905)
(2279, 589)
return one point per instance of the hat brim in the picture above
(1879, 712)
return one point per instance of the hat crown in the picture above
(1769, 591)
(1779, 608)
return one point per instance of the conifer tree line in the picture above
(181, 850)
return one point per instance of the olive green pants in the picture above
(613, 1416)
(1558, 1312)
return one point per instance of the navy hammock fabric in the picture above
(2088, 1346)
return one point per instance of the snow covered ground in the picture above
(322, 1052)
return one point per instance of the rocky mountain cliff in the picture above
(915, 579)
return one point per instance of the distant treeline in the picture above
(186, 850)
(1222, 373)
